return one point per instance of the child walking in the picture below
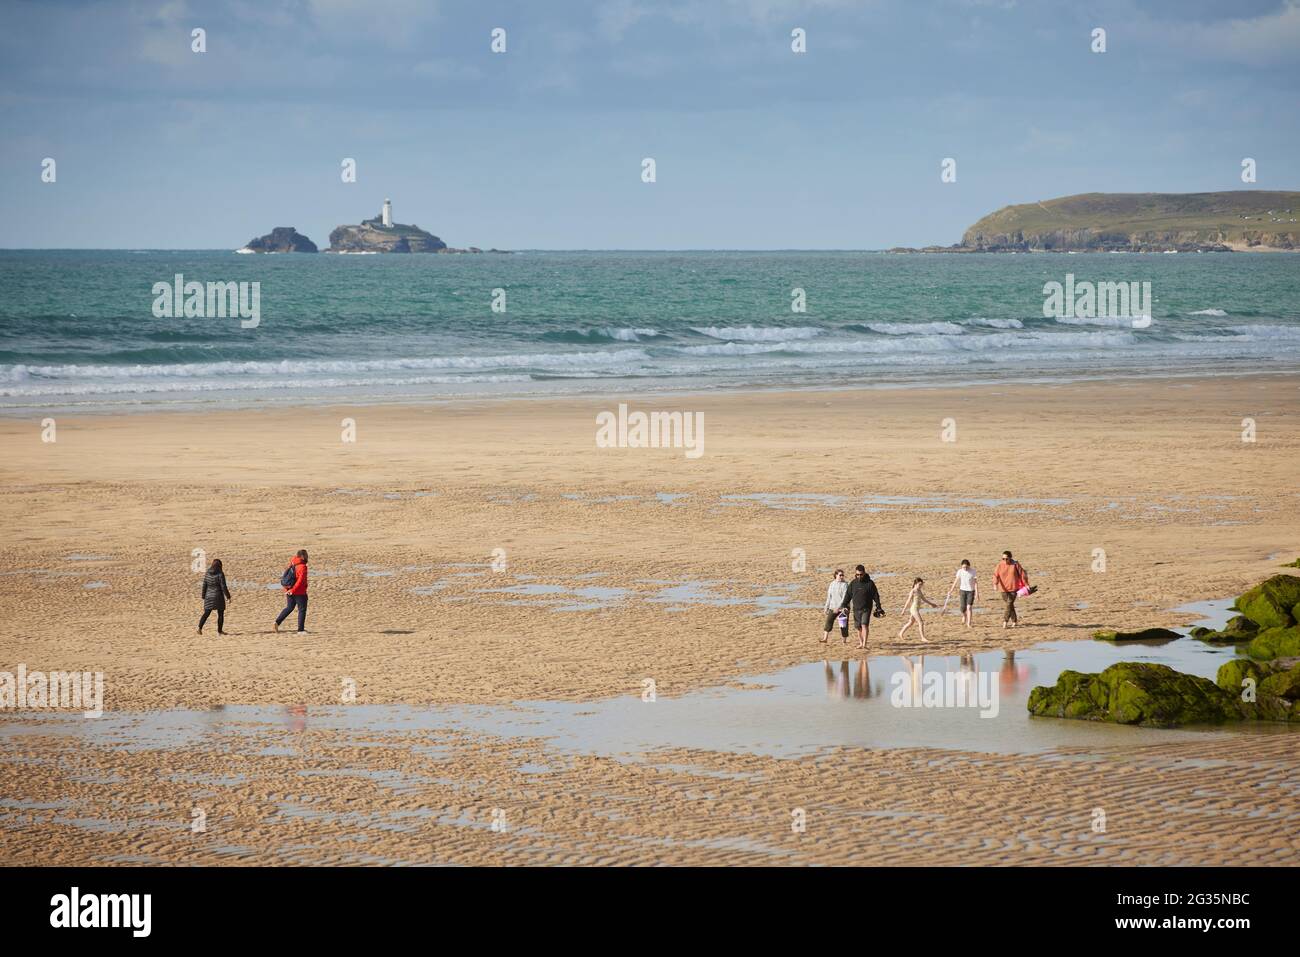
(914, 599)
(967, 585)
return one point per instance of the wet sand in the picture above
(622, 565)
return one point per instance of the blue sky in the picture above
(540, 147)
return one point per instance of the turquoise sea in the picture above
(78, 330)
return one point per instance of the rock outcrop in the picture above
(1157, 696)
(371, 236)
(1145, 635)
(1262, 687)
(1274, 603)
(1273, 643)
(1269, 620)
(1238, 629)
(1273, 607)
(397, 238)
(282, 239)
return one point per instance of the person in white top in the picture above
(834, 599)
(966, 585)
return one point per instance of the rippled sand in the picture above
(619, 565)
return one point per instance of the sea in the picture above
(82, 330)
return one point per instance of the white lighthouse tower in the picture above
(388, 212)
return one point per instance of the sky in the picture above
(542, 146)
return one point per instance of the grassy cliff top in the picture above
(1143, 212)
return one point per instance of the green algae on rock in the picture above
(1272, 603)
(1275, 643)
(1157, 696)
(1146, 634)
(1238, 629)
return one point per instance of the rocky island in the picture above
(1231, 221)
(382, 235)
(282, 239)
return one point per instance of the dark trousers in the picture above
(221, 618)
(1009, 613)
(299, 602)
(831, 617)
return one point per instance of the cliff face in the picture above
(370, 237)
(1143, 222)
(282, 239)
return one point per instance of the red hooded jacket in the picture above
(300, 584)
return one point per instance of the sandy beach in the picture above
(488, 552)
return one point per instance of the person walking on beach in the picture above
(967, 587)
(294, 582)
(1012, 582)
(862, 594)
(215, 594)
(834, 598)
(914, 599)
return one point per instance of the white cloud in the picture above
(394, 22)
(165, 36)
(1266, 39)
(615, 18)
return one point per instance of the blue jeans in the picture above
(300, 602)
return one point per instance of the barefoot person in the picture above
(1012, 581)
(967, 587)
(914, 599)
(296, 590)
(834, 598)
(862, 594)
(215, 595)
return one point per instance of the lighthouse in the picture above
(388, 212)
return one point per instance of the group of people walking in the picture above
(862, 597)
(216, 593)
(859, 596)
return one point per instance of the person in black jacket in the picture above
(215, 595)
(862, 595)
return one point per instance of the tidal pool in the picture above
(840, 701)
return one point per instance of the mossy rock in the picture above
(1076, 695)
(1282, 684)
(1139, 693)
(1273, 708)
(1294, 564)
(1240, 625)
(1270, 604)
(1275, 643)
(1146, 634)
(1238, 629)
(1233, 673)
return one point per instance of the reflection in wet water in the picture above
(838, 685)
(295, 717)
(798, 710)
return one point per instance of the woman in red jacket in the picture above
(297, 592)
